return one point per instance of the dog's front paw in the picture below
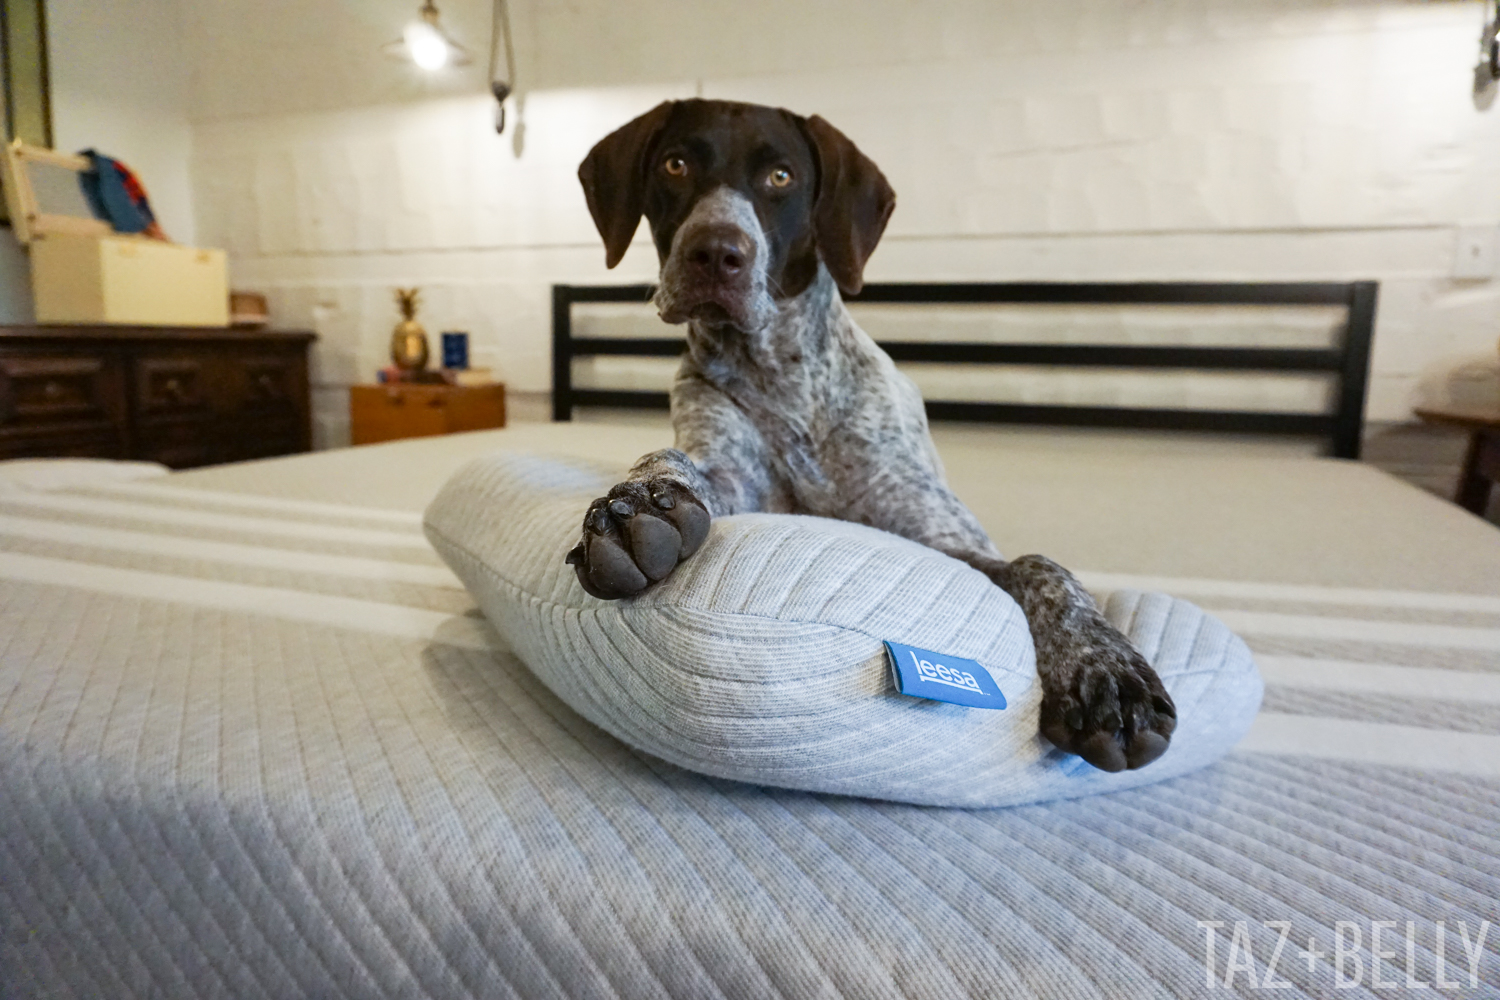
(636, 535)
(1102, 701)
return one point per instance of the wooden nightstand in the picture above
(1482, 461)
(406, 410)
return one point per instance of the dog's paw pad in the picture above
(611, 567)
(654, 543)
(692, 523)
(1105, 703)
(1103, 750)
(636, 535)
(1145, 746)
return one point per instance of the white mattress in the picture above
(254, 742)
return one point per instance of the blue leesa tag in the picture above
(922, 673)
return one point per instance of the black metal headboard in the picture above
(1349, 361)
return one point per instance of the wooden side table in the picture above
(1481, 469)
(405, 410)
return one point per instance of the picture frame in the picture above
(27, 104)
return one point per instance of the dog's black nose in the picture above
(720, 253)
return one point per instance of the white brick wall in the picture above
(1069, 140)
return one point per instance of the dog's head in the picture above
(742, 201)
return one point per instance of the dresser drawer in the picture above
(390, 412)
(59, 391)
(265, 439)
(182, 444)
(173, 386)
(42, 444)
(268, 383)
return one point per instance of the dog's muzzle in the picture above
(716, 270)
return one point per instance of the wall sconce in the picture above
(425, 43)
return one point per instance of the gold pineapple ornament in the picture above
(409, 339)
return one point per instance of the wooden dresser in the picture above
(182, 396)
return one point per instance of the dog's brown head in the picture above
(742, 201)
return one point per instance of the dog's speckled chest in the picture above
(823, 398)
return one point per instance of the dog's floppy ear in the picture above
(614, 180)
(854, 203)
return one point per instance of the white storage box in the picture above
(82, 271)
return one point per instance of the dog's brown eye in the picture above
(675, 166)
(780, 177)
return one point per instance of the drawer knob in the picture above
(53, 389)
(266, 383)
(173, 389)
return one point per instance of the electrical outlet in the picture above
(1474, 253)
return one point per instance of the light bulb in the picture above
(428, 47)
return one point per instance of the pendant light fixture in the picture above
(427, 44)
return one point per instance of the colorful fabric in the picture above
(116, 195)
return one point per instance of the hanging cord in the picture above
(1492, 37)
(500, 41)
(1487, 70)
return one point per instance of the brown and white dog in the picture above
(760, 217)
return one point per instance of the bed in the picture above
(254, 742)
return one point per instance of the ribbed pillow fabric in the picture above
(761, 658)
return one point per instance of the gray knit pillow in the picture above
(761, 658)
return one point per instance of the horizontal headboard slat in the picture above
(1349, 361)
